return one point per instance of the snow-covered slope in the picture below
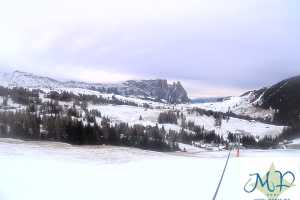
(35, 171)
(23, 79)
(235, 125)
(132, 115)
(284, 97)
(241, 105)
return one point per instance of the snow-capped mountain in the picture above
(158, 89)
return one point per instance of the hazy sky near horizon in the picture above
(215, 47)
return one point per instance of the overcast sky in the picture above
(215, 48)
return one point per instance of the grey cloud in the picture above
(253, 45)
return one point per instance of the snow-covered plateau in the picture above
(45, 170)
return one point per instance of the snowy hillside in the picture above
(241, 105)
(235, 125)
(131, 115)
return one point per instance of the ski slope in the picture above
(42, 170)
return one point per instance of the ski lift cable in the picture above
(221, 179)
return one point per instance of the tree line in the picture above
(31, 126)
(25, 96)
(168, 117)
(70, 96)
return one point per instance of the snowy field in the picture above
(131, 115)
(42, 170)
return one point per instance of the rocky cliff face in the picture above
(158, 89)
(177, 92)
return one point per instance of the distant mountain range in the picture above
(157, 90)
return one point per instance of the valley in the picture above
(199, 124)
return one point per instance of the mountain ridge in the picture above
(155, 89)
(284, 96)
